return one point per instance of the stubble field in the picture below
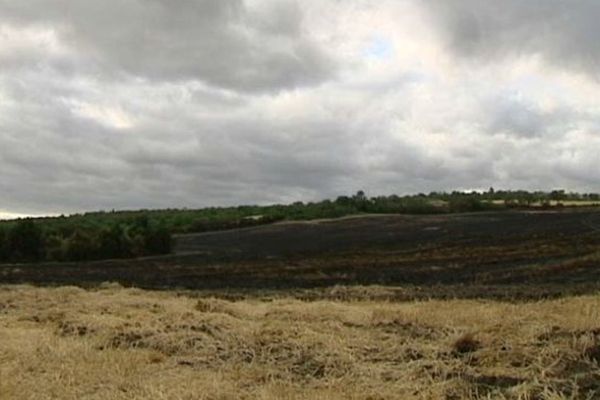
(117, 343)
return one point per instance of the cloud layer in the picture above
(191, 103)
(562, 33)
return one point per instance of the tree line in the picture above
(127, 234)
(31, 240)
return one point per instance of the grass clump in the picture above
(466, 343)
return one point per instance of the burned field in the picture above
(377, 307)
(498, 255)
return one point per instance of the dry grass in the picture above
(115, 343)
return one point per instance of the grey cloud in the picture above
(519, 118)
(224, 43)
(565, 33)
(56, 161)
(180, 104)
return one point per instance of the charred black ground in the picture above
(512, 255)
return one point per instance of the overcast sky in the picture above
(158, 103)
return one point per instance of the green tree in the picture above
(4, 253)
(158, 240)
(26, 241)
(113, 242)
(81, 246)
(56, 248)
(459, 203)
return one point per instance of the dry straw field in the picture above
(118, 343)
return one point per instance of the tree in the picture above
(56, 248)
(343, 201)
(465, 204)
(360, 195)
(113, 242)
(158, 240)
(558, 195)
(26, 241)
(360, 201)
(81, 246)
(4, 254)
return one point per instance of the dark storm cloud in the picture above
(565, 33)
(224, 43)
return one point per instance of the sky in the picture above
(161, 104)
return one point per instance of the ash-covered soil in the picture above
(514, 254)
